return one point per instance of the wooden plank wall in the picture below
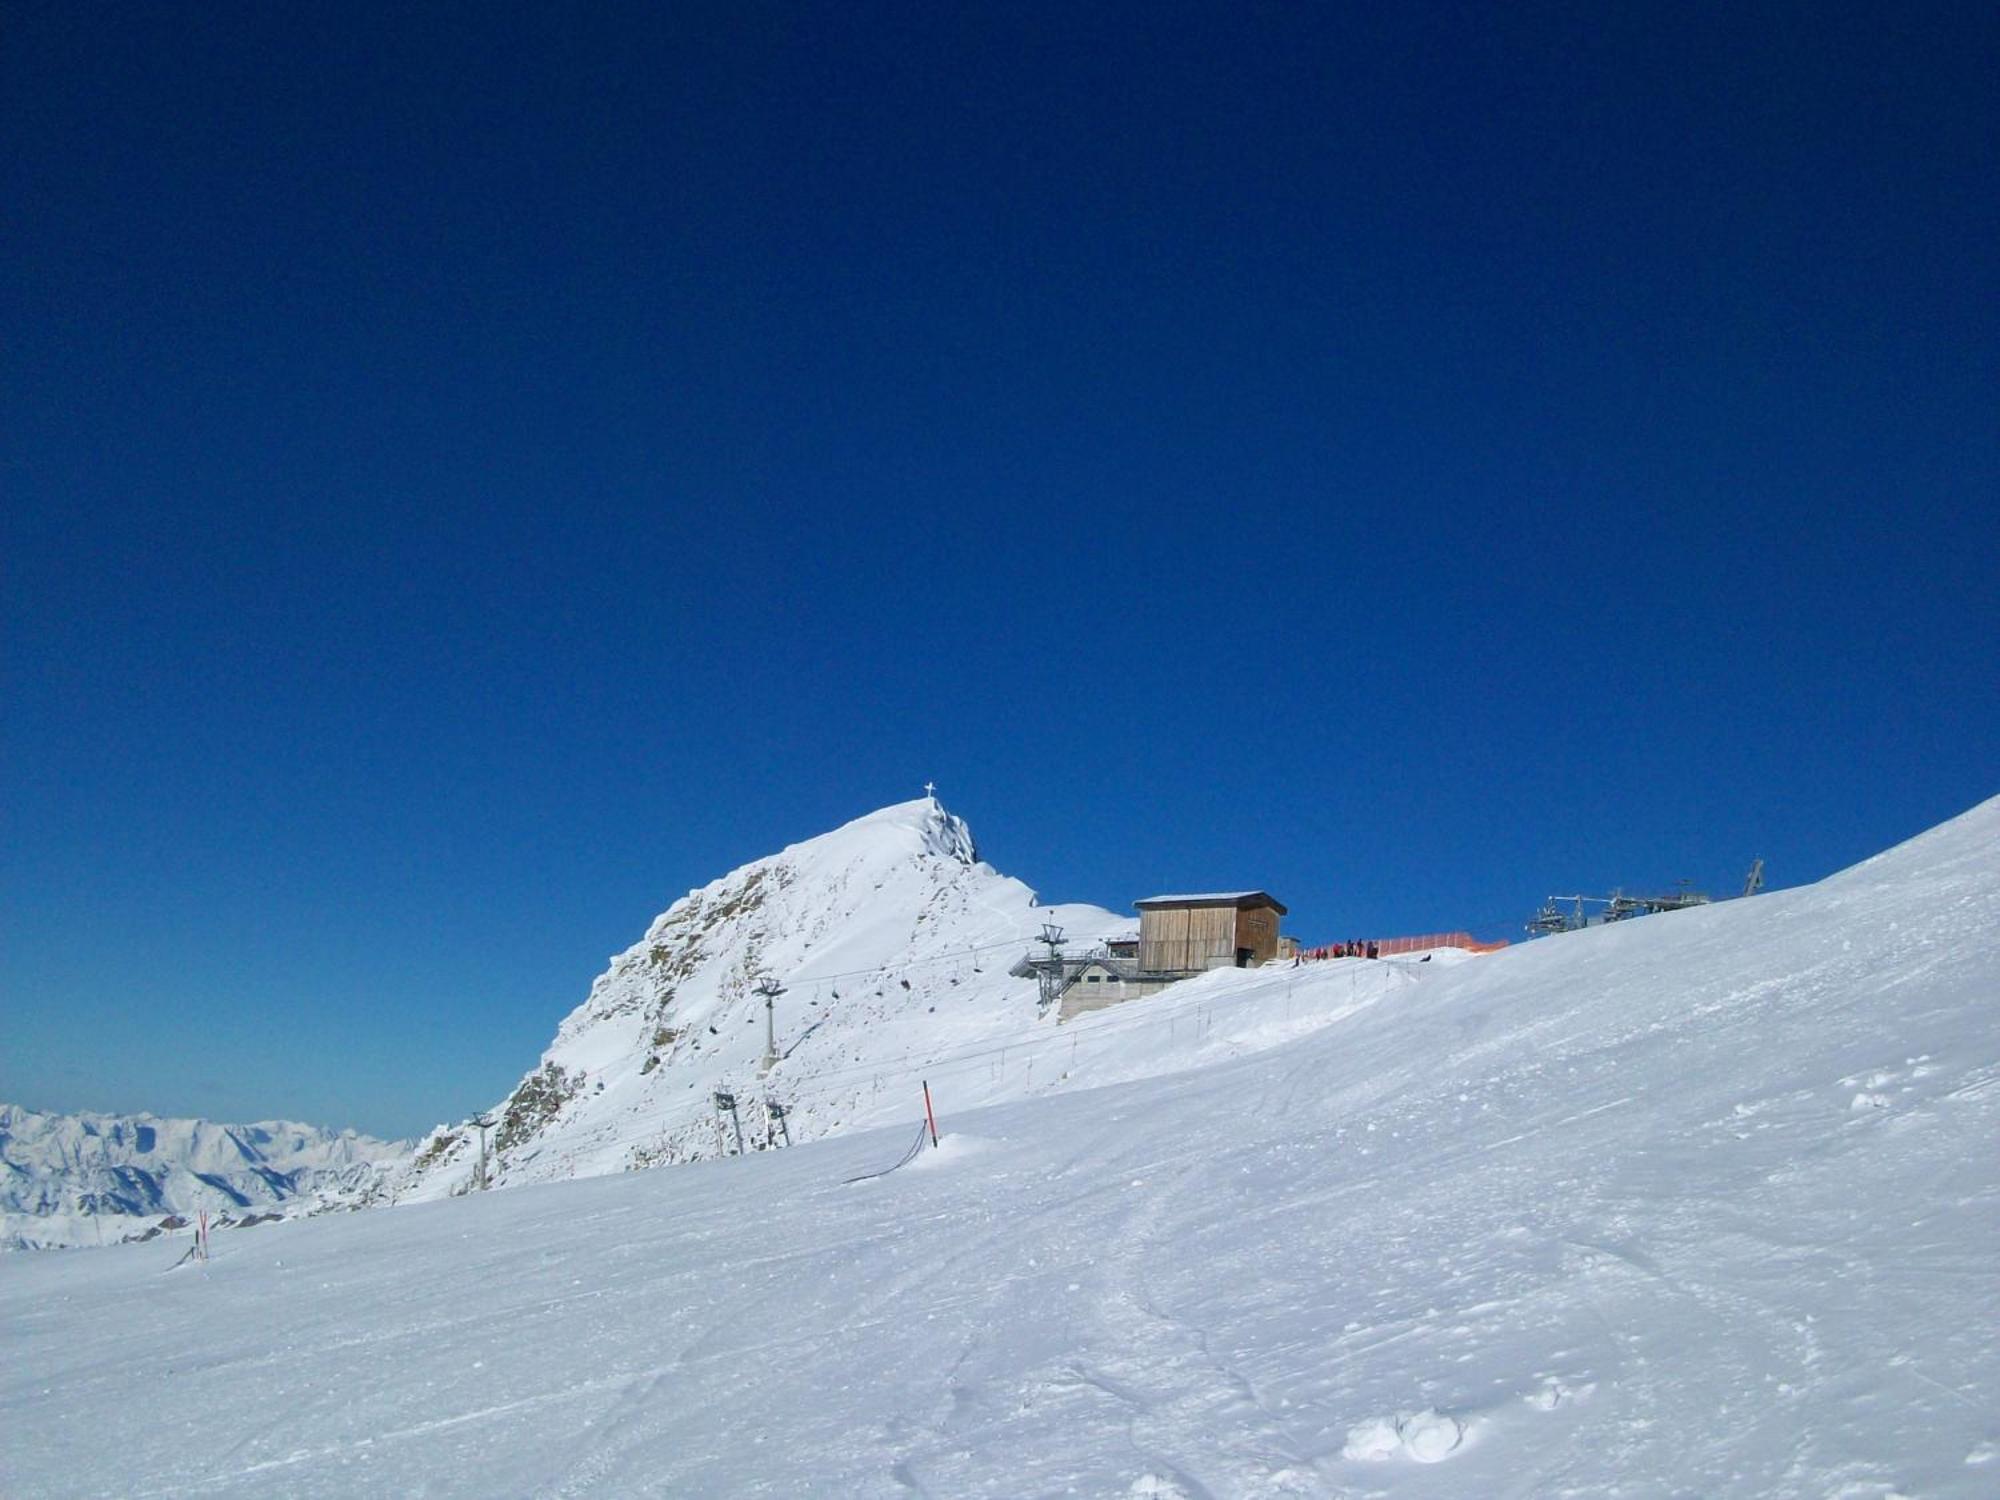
(1257, 930)
(1187, 937)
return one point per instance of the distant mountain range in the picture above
(96, 1179)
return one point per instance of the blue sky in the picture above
(470, 476)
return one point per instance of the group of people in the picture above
(1355, 949)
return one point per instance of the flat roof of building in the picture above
(1216, 898)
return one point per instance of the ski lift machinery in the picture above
(725, 1103)
(774, 1123)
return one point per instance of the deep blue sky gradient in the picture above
(470, 475)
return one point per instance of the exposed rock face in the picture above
(538, 1100)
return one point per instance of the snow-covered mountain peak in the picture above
(883, 936)
(922, 826)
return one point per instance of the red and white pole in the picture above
(929, 1114)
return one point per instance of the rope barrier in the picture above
(923, 1134)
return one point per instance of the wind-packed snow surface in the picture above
(94, 1179)
(1704, 1204)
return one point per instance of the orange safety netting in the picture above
(1391, 947)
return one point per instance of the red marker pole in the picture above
(928, 1113)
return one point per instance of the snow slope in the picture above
(93, 1179)
(890, 938)
(1703, 1204)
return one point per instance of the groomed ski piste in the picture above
(1704, 1204)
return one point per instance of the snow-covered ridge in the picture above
(86, 1179)
(888, 938)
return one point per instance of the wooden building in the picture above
(1187, 934)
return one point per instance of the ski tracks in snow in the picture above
(1199, 1425)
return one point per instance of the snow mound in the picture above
(1427, 1436)
(950, 1151)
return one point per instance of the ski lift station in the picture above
(1179, 937)
(1182, 935)
(1567, 913)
